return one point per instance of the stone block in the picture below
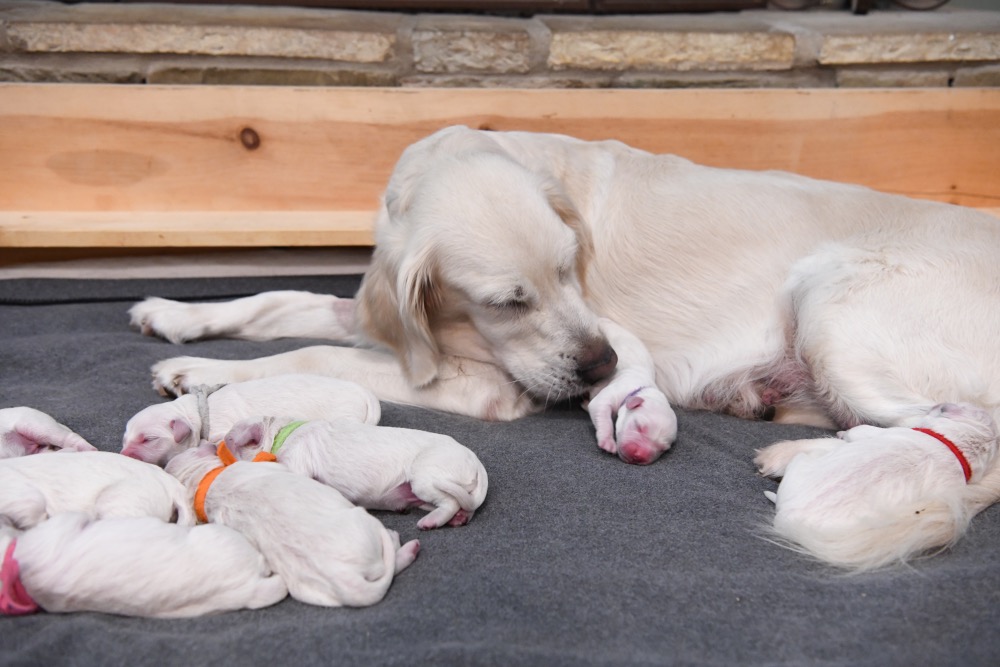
(218, 31)
(449, 44)
(682, 44)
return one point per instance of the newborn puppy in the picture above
(645, 426)
(104, 484)
(135, 567)
(377, 467)
(328, 551)
(159, 432)
(880, 495)
(28, 431)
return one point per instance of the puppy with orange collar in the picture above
(73, 563)
(328, 551)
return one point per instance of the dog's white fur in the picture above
(328, 551)
(141, 567)
(159, 432)
(103, 484)
(26, 431)
(633, 418)
(754, 292)
(876, 496)
(376, 467)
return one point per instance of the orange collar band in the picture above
(227, 459)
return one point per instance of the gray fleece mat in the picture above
(575, 559)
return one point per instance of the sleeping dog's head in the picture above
(479, 257)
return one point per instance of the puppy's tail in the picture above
(898, 535)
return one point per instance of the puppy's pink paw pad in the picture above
(460, 519)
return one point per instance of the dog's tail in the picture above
(896, 536)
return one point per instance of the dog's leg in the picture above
(446, 509)
(265, 316)
(772, 461)
(463, 386)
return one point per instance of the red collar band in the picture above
(14, 599)
(966, 468)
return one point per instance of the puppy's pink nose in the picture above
(132, 453)
(640, 452)
(597, 362)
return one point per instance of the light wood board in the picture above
(120, 166)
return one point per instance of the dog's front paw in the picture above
(170, 320)
(179, 375)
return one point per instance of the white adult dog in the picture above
(26, 431)
(159, 432)
(328, 551)
(882, 495)
(102, 484)
(755, 293)
(376, 467)
(135, 567)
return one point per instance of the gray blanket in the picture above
(575, 559)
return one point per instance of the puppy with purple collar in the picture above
(632, 417)
(377, 467)
(133, 567)
(103, 484)
(328, 551)
(158, 432)
(874, 496)
(25, 431)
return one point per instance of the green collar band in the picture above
(282, 435)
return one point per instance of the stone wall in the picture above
(190, 44)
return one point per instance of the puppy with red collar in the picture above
(377, 467)
(874, 496)
(74, 563)
(26, 431)
(328, 551)
(103, 484)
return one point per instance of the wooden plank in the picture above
(185, 229)
(148, 150)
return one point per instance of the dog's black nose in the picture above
(597, 362)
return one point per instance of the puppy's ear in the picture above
(567, 211)
(180, 429)
(395, 306)
(245, 436)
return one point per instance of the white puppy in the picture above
(377, 467)
(135, 567)
(646, 425)
(104, 484)
(328, 551)
(28, 431)
(881, 495)
(158, 432)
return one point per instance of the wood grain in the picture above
(103, 165)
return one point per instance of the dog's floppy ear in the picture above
(395, 307)
(569, 214)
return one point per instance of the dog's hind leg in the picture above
(887, 334)
(265, 316)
